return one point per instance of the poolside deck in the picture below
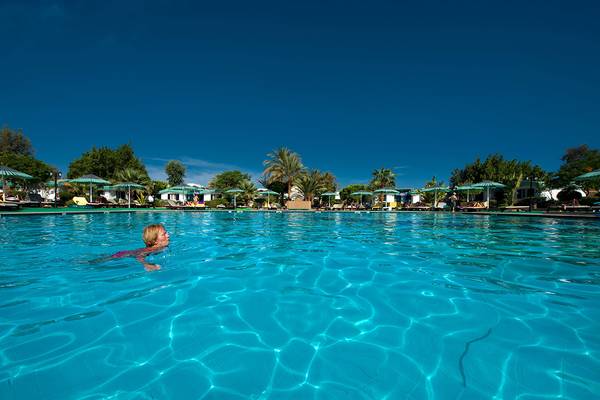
(78, 210)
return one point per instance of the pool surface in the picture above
(301, 306)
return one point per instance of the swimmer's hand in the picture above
(151, 267)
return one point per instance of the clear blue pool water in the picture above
(301, 306)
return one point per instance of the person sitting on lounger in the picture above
(156, 238)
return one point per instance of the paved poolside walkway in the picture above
(78, 210)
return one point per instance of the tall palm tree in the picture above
(382, 178)
(283, 165)
(311, 184)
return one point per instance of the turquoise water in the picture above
(301, 306)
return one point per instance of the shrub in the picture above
(160, 203)
(214, 203)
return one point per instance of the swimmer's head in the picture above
(155, 235)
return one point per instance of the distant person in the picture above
(156, 238)
(151, 200)
(453, 200)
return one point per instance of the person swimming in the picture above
(156, 238)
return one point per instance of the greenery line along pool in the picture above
(301, 305)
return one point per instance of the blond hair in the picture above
(150, 234)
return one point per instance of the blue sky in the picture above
(421, 87)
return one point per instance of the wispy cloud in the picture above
(197, 170)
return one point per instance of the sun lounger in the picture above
(418, 207)
(338, 206)
(515, 208)
(82, 202)
(9, 206)
(174, 206)
(577, 208)
(475, 206)
(32, 200)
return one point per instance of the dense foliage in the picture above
(433, 197)
(106, 163)
(382, 178)
(345, 193)
(576, 161)
(15, 142)
(311, 184)
(38, 169)
(132, 175)
(285, 166)
(16, 152)
(175, 171)
(495, 168)
(228, 180)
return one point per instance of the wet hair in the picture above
(151, 234)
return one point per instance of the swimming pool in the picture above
(301, 305)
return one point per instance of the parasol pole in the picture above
(129, 198)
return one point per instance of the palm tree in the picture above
(249, 191)
(329, 181)
(311, 184)
(283, 165)
(132, 175)
(382, 178)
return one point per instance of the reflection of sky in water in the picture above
(301, 306)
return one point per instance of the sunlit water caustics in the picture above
(301, 306)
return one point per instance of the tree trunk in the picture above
(513, 197)
(289, 190)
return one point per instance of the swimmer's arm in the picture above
(147, 266)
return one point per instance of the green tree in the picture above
(345, 193)
(25, 163)
(311, 184)
(106, 162)
(15, 142)
(383, 178)
(249, 191)
(329, 182)
(274, 185)
(496, 168)
(156, 186)
(430, 197)
(577, 161)
(228, 180)
(132, 175)
(175, 172)
(283, 165)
